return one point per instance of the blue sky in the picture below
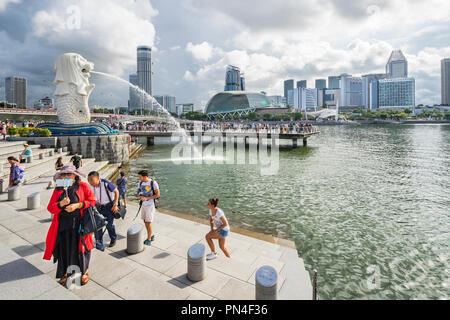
(194, 40)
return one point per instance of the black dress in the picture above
(67, 252)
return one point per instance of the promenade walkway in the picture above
(159, 272)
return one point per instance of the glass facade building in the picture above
(144, 68)
(302, 84)
(134, 102)
(334, 82)
(445, 81)
(288, 85)
(16, 91)
(232, 101)
(396, 93)
(234, 80)
(351, 91)
(321, 84)
(367, 81)
(397, 66)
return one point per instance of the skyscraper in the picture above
(397, 65)
(333, 82)
(134, 100)
(167, 102)
(144, 68)
(233, 79)
(445, 81)
(302, 84)
(16, 91)
(367, 87)
(303, 98)
(321, 84)
(288, 85)
(351, 91)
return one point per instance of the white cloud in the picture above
(4, 3)
(203, 51)
(107, 35)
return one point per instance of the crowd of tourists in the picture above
(72, 198)
(245, 127)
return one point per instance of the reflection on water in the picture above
(368, 206)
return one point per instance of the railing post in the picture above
(314, 297)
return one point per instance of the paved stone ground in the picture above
(159, 272)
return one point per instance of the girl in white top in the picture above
(217, 218)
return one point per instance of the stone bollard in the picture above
(266, 284)
(64, 149)
(60, 151)
(1, 185)
(14, 193)
(41, 156)
(34, 201)
(196, 262)
(29, 159)
(51, 153)
(135, 239)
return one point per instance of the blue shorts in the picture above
(224, 233)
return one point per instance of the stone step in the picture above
(8, 144)
(46, 163)
(15, 150)
(297, 285)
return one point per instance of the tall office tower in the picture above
(397, 66)
(366, 87)
(288, 85)
(16, 91)
(302, 84)
(333, 82)
(445, 81)
(242, 82)
(144, 68)
(134, 102)
(321, 84)
(351, 91)
(233, 79)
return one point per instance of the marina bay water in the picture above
(368, 206)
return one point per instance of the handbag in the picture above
(122, 209)
(92, 221)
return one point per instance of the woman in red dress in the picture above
(67, 205)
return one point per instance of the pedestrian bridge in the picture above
(294, 136)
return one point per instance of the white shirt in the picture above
(217, 219)
(145, 190)
(101, 194)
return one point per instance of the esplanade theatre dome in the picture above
(236, 101)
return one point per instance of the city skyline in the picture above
(189, 58)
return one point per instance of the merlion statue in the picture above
(71, 99)
(73, 88)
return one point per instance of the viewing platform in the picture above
(294, 136)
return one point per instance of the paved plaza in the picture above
(159, 272)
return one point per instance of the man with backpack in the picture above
(148, 192)
(107, 197)
(16, 172)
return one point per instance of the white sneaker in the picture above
(211, 256)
